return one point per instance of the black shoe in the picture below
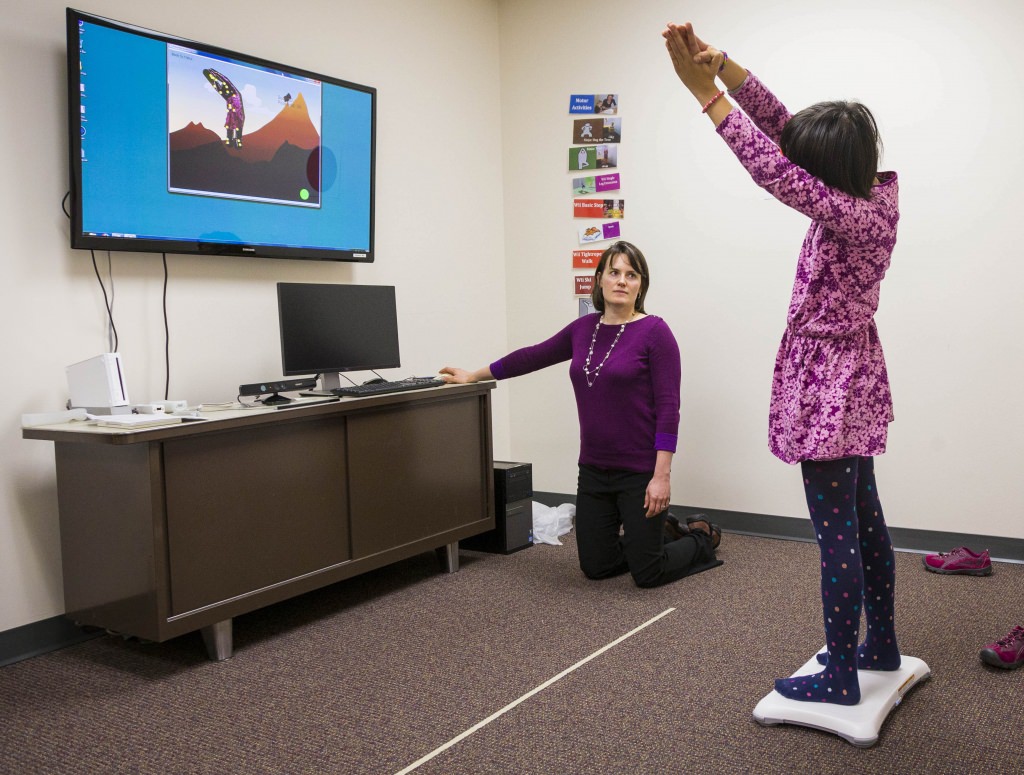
(712, 529)
(674, 529)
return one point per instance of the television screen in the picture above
(177, 146)
(328, 328)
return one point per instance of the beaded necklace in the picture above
(592, 375)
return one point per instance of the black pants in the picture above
(607, 499)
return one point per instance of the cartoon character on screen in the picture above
(235, 118)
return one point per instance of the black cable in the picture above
(167, 339)
(106, 300)
(113, 290)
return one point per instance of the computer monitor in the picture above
(328, 328)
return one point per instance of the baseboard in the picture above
(56, 633)
(792, 529)
(41, 637)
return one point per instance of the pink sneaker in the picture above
(1007, 652)
(961, 561)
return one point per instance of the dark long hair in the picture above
(838, 143)
(636, 260)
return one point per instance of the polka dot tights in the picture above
(856, 570)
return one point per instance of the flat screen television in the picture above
(328, 328)
(183, 147)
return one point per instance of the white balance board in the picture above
(880, 692)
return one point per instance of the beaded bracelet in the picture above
(711, 102)
(725, 58)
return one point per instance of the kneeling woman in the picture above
(624, 369)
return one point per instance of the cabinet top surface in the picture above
(238, 416)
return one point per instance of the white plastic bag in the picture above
(550, 522)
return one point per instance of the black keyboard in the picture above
(381, 388)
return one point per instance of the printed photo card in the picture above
(606, 104)
(584, 158)
(596, 184)
(591, 157)
(598, 208)
(596, 130)
(599, 232)
(584, 284)
(586, 259)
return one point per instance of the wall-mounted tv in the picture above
(182, 147)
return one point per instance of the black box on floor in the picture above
(513, 511)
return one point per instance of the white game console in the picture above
(97, 383)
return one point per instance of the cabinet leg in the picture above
(449, 557)
(217, 638)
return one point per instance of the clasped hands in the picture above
(695, 62)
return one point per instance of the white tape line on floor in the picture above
(529, 694)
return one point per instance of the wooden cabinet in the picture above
(178, 528)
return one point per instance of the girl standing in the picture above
(830, 404)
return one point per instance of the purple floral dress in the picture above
(830, 391)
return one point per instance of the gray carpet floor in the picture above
(372, 674)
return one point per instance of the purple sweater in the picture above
(632, 410)
(830, 391)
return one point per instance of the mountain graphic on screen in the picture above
(280, 161)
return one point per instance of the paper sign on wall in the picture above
(583, 158)
(596, 130)
(608, 104)
(581, 103)
(607, 156)
(584, 284)
(588, 208)
(586, 259)
(598, 208)
(596, 184)
(599, 232)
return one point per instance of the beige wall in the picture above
(474, 227)
(439, 232)
(943, 79)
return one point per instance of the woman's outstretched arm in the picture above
(455, 375)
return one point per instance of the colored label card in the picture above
(585, 259)
(598, 208)
(607, 104)
(595, 184)
(581, 103)
(587, 130)
(599, 232)
(588, 208)
(583, 158)
(596, 130)
(584, 284)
